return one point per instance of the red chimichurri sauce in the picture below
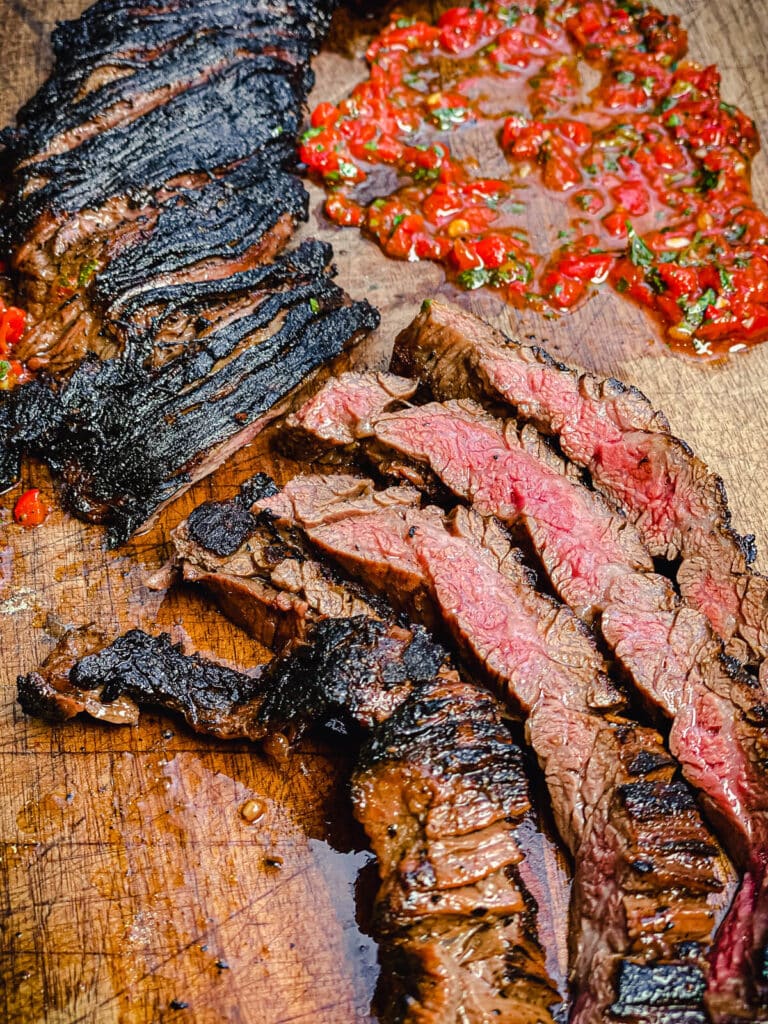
(590, 100)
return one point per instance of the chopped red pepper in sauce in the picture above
(12, 324)
(591, 100)
(30, 509)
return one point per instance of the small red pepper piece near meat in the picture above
(30, 509)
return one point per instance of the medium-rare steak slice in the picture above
(440, 788)
(617, 795)
(678, 505)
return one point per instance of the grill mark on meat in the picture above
(718, 730)
(120, 93)
(678, 505)
(439, 787)
(199, 234)
(231, 116)
(594, 765)
(238, 220)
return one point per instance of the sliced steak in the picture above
(678, 505)
(266, 580)
(343, 411)
(440, 789)
(668, 649)
(543, 660)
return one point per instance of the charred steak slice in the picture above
(266, 580)
(544, 662)
(127, 440)
(678, 505)
(456, 923)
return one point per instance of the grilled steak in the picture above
(718, 712)
(266, 580)
(150, 191)
(593, 562)
(615, 790)
(456, 923)
(677, 504)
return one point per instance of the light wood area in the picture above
(131, 884)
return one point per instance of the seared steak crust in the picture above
(127, 439)
(440, 788)
(150, 191)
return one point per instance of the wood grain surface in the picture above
(131, 883)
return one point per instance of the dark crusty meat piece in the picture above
(543, 660)
(678, 505)
(126, 440)
(440, 788)
(266, 580)
(149, 183)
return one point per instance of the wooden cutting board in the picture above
(131, 883)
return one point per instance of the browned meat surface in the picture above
(440, 788)
(543, 660)
(678, 505)
(266, 580)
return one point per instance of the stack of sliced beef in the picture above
(150, 194)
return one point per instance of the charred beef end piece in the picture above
(223, 526)
(441, 790)
(150, 672)
(126, 440)
(357, 667)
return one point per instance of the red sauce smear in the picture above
(589, 100)
(12, 323)
(30, 509)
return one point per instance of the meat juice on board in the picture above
(590, 101)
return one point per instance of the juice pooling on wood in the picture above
(652, 166)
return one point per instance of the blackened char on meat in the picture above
(619, 799)
(127, 439)
(266, 579)
(678, 505)
(150, 191)
(456, 923)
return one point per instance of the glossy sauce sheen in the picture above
(594, 101)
